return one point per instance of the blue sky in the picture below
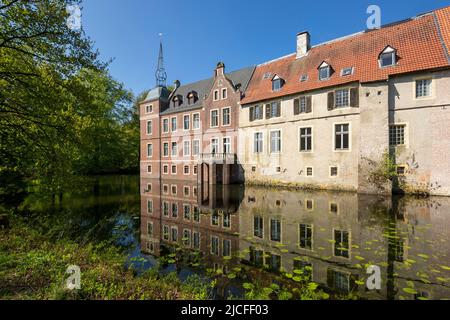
(199, 33)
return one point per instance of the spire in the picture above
(160, 74)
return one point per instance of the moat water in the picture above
(276, 241)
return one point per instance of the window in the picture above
(149, 108)
(309, 171)
(226, 248)
(186, 212)
(149, 206)
(174, 149)
(214, 118)
(423, 88)
(174, 210)
(347, 72)
(149, 187)
(397, 135)
(305, 238)
(226, 220)
(309, 205)
(149, 127)
(273, 110)
(196, 214)
(186, 122)
(253, 168)
(226, 116)
(305, 139)
(215, 245)
(274, 262)
(194, 169)
(224, 93)
(275, 230)
(174, 124)
(165, 189)
(256, 113)
(342, 134)
(174, 234)
(215, 219)
(401, 170)
(187, 237)
(149, 169)
(165, 169)
(166, 233)
(186, 148)
(302, 104)
(324, 71)
(216, 95)
(388, 57)
(196, 240)
(342, 99)
(186, 170)
(277, 83)
(195, 147)
(227, 145)
(196, 121)
(165, 208)
(333, 171)
(174, 169)
(266, 75)
(275, 141)
(258, 227)
(258, 142)
(165, 149)
(165, 125)
(214, 145)
(149, 150)
(341, 243)
(304, 78)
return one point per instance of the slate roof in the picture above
(203, 88)
(422, 43)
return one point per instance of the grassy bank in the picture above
(33, 267)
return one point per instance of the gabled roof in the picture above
(203, 88)
(422, 43)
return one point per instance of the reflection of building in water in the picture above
(329, 237)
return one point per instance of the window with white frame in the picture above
(149, 206)
(388, 57)
(187, 237)
(341, 243)
(165, 125)
(227, 145)
(258, 227)
(149, 127)
(305, 139)
(224, 93)
(174, 149)
(186, 212)
(165, 149)
(186, 122)
(309, 171)
(305, 236)
(324, 71)
(149, 150)
(275, 230)
(226, 116)
(196, 121)
(275, 141)
(226, 220)
(342, 98)
(166, 232)
(174, 169)
(214, 118)
(149, 108)
(342, 137)
(173, 124)
(174, 234)
(423, 88)
(174, 210)
(165, 169)
(216, 95)
(186, 148)
(166, 208)
(214, 145)
(397, 135)
(149, 168)
(215, 245)
(258, 142)
(195, 147)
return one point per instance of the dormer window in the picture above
(304, 78)
(192, 97)
(347, 71)
(277, 83)
(266, 75)
(324, 71)
(177, 101)
(388, 57)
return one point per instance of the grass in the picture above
(34, 267)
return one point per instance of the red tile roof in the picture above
(418, 42)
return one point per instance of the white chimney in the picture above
(303, 44)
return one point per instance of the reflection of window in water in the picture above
(341, 243)
(196, 240)
(187, 237)
(339, 281)
(150, 246)
(309, 205)
(165, 189)
(174, 210)
(398, 249)
(226, 223)
(226, 248)
(215, 218)
(256, 257)
(187, 212)
(305, 267)
(306, 232)
(186, 191)
(258, 227)
(273, 261)
(166, 233)
(166, 208)
(215, 245)
(275, 230)
(422, 295)
(174, 234)
(196, 214)
(150, 229)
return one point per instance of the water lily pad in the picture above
(410, 290)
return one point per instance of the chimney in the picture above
(220, 69)
(303, 44)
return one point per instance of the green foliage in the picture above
(383, 172)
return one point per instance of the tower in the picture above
(160, 74)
